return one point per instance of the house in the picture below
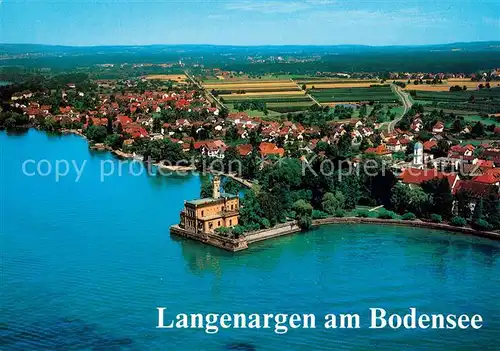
(65, 110)
(244, 149)
(135, 130)
(438, 127)
(417, 125)
(484, 163)
(417, 176)
(393, 145)
(467, 150)
(268, 149)
(211, 148)
(124, 120)
(490, 176)
(429, 145)
(380, 150)
(475, 190)
(182, 123)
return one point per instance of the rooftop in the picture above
(208, 200)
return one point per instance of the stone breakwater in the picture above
(416, 223)
(242, 243)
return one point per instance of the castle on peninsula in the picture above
(206, 215)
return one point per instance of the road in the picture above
(405, 99)
(207, 92)
(306, 93)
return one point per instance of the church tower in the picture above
(418, 155)
(216, 187)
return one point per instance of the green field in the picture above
(254, 113)
(292, 99)
(380, 94)
(458, 96)
(487, 121)
(242, 97)
(287, 107)
(320, 80)
(469, 102)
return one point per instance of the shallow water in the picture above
(84, 266)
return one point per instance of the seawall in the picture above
(222, 242)
(291, 227)
(416, 223)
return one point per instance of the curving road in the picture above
(407, 103)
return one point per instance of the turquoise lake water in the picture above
(84, 266)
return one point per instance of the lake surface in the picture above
(85, 264)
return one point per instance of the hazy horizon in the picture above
(255, 45)
(248, 23)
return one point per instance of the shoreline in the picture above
(125, 155)
(402, 223)
(281, 229)
(284, 229)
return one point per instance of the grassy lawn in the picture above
(370, 214)
(487, 121)
(398, 110)
(254, 113)
(476, 142)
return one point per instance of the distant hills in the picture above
(267, 49)
(295, 59)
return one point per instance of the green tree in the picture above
(206, 189)
(303, 212)
(478, 130)
(109, 128)
(115, 141)
(441, 197)
(332, 202)
(406, 199)
(96, 133)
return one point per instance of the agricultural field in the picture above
(325, 83)
(279, 95)
(469, 102)
(383, 94)
(486, 121)
(179, 78)
(446, 85)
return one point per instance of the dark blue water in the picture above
(85, 264)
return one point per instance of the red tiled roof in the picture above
(419, 176)
(485, 163)
(124, 120)
(244, 149)
(379, 150)
(428, 145)
(476, 189)
(490, 176)
(210, 144)
(271, 149)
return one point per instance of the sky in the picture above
(247, 22)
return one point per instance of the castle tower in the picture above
(418, 155)
(216, 187)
